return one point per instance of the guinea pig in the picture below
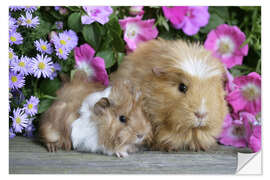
(183, 90)
(55, 123)
(111, 122)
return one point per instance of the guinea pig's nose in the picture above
(200, 115)
(139, 136)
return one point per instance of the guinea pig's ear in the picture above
(157, 71)
(101, 105)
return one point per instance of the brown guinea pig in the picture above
(182, 86)
(111, 122)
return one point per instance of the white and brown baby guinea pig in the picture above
(54, 127)
(111, 122)
(182, 85)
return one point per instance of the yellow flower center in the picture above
(21, 64)
(28, 21)
(13, 39)
(53, 69)
(44, 48)
(18, 120)
(60, 51)
(41, 65)
(30, 106)
(14, 79)
(63, 42)
(69, 38)
(224, 48)
(10, 55)
(250, 93)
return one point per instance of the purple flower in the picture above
(72, 38)
(28, 131)
(30, 9)
(225, 43)
(11, 133)
(63, 11)
(28, 21)
(21, 65)
(31, 106)
(16, 80)
(62, 53)
(137, 30)
(19, 119)
(12, 24)
(62, 41)
(41, 65)
(57, 8)
(59, 25)
(96, 13)
(15, 38)
(93, 66)
(56, 67)
(43, 46)
(11, 55)
(16, 8)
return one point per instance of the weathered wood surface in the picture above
(28, 157)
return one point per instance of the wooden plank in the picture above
(28, 157)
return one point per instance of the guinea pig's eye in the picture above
(182, 88)
(122, 119)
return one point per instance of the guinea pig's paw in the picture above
(51, 147)
(67, 145)
(121, 154)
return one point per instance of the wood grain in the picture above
(27, 156)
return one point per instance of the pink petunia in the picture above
(254, 141)
(93, 66)
(137, 30)
(247, 97)
(96, 13)
(233, 133)
(225, 43)
(230, 86)
(175, 14)
(136, 10)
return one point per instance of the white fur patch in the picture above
(202, 108)
(199, 68)
(84, 134)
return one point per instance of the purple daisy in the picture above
(12, 24)
(62, 53)
(28, 21)
(30, 9)
(15, 8)
(72, 38)
(43, 46)
(19, 119)
(11, 55)
(28, 131)
(15, 38)
(62, 41)
(31, 106)
(16, 80)
(11, 133)
(56, 67)
(41, 65)
(57, 8)
(21, 65)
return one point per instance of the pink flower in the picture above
(188, 18)
(254, 141)
(175, 14)
(96, 13)
(233, 133)
(93, 66)
(136, 10)
(247, 97)
(225, 43)
(230, 86)
(137, 30)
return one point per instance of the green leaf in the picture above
(49, 87)
(120, 58)
(108, 57)
(44, 105)
(74, 8)
(92, 35)
(74, 22)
